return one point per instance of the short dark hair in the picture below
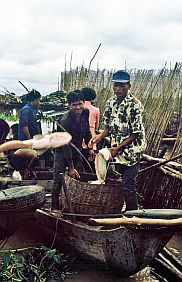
(4, 126)
(89, 93)
(74, 96)
(33, 95)
(14, 128)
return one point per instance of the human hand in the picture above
(91, 155)
(72, 172)
(113, 151)
(94, 140)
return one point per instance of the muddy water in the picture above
(85, 272)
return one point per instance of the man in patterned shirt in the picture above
(123, 123)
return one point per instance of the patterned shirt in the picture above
(123, 119)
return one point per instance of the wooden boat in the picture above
(123, 249)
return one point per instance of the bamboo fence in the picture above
(160, 92)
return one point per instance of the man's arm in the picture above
(97, 138)
(127, 141)
(97, 120)
(26, 132)
(24, 119)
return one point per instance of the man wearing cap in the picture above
(28, 126)
(123, 123)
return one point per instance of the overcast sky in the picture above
(37, 35)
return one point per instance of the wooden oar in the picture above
(161, 163)
(135, 221)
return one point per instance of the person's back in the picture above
(90, 95)
(28, 117)
(94, 115)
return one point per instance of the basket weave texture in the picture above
(161, 188)
(22, 198)
(89, 198)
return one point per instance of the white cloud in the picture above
(36, 35)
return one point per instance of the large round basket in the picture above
(87, 198)
(16, 205)
(22, 198)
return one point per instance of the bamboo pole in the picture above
(135, 221)
(161, 163)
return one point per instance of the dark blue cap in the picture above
(121, 76)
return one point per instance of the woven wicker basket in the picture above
(89, 198)
(22, 198)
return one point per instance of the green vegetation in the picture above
(39, 265)
(8, 117)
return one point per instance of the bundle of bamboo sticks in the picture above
(160, 91)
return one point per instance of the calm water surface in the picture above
(25, 237)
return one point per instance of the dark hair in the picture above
(33, 95)
(74, 96)
(14, 128)
(4, 130)
(89, 93)
(4, 126)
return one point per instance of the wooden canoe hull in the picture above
(123, 250)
